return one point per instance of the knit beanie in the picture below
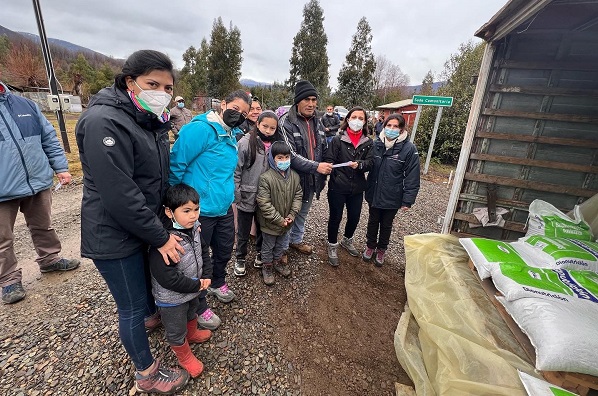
(304, 89)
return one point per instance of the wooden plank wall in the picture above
(537, 134)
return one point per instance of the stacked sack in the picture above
(549, 285)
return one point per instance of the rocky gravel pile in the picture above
(63, 338)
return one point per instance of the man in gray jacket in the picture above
(179, 116)
(30, 154)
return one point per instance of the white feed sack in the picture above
(562, 333)
(537, 387)
(545, 219)
(515, 281)
(488, 253)
(547, 252)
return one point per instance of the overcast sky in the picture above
(416, 35)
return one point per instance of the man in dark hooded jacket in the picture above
(305, 135)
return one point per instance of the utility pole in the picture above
(50, 71)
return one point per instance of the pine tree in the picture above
(309, 56)
(224, 60)
(193, 79)
(457, 73)
(427, 87)
(356, 77)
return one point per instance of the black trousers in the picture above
(244, 220)
(219, 233)
(380, 219)
(336, 204)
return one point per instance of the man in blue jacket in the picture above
(30, 154)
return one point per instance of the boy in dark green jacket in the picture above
(279, 200)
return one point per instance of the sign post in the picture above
(440, 102)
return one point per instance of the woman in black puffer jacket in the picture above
(353, 150)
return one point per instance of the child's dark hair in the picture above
(142, 62)
(253, 134)
(280, 148)
(180, 194)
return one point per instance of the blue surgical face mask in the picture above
(175, 223)
(392, 134)
(181, 105)
(283, 165)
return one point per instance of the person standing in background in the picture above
(30, 154)
(255, 109)
(179, 116)
(331, 123)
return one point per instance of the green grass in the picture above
(73, 156)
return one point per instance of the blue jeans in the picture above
(298, 227)
(128, 279)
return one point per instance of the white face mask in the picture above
(329, 113)
(155, 100)
(355, 125)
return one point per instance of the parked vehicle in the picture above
(341, 111)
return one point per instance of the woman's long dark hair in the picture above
(253, 134)
(142, 62)
(345, 124)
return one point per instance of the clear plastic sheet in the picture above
(455, 342)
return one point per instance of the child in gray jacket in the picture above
(176, 287)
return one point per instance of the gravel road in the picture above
(324, 331)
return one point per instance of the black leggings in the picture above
(380, 219)
(336, 203)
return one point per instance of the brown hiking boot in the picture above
(282, 269)
(152, 322)
(284, 258)
(302, 248)
(164, 381)
(268, 274)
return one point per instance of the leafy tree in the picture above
(25, 66)
(309, 57)
(457, 73)
(193, 78)
(4, 48)
(427, 87)
(390, 83)
(79, 73)
(356, 77)
(104, 77)
(224, 59)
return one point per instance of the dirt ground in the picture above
(341, 336)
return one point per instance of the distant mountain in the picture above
(57, 43)
(417, 88)
(62, 44)
(247, 82)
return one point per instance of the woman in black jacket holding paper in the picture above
(351, 151)
(393, 184)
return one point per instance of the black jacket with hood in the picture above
(346, 180)
(393, 181)
(125, 158)
(307, 141)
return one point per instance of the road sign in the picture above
(444, 101)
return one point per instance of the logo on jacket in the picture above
(109, 141)
(24, 115)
